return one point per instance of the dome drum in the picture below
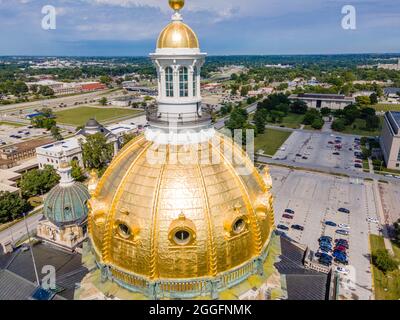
(183, 288)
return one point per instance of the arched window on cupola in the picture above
(169, 82)
(183, 82)
(194, 81)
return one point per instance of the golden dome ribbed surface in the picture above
(174, 220)
(177, 35)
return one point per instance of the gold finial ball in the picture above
(176, 4)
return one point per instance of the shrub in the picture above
(383, 261)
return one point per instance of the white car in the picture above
(343, 226)
(373, 220)
(342, 270)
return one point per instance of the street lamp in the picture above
(31, 250)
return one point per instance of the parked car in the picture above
(340, 248)
(297, 227)
(342, 260)
(330, 223)
(342, 270)
(358, 166)
(287, 216)
(336, 153)
(372, 220)
(343, 226)
(290, 211)
(344, 210)
(342, 232)
(325, 238)
(282, 227)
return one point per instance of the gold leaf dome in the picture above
(177, 35)
(151, 221)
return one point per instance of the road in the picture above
(221, 122)
(18, 230)
(304, 166)
(52, 103)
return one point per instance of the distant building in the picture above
(393, 66)
(391, 92)
(113, 133)
(390, 140)
(64, 88)
(125, 101)
(12, 155)
(318, 101)
(54, 153)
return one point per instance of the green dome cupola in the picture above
(66, 203)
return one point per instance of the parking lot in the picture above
(390, 195)
(319, 149)
(315, 198)
(11, 134)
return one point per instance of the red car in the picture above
(341, 248)
(287, 216)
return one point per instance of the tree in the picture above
(396, 226)
(338, 125)
(46, 91)
(103, 101)
(311, 116)
(260, 120)
(12, 206)
(244, 91)
(37, 182)
(97, 153)
(325, 111)
(299, 107)
(363, 100)
(43, 122)
(55, 132)
(372, 122)
(373, 98)
(77, 172)
(383, 261)
(105, 80)
(126, 138)
(365, 112)
(282, 87)
(318, 123)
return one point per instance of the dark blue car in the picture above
(330, 223)
(282, 227)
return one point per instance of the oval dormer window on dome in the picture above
(239, 226)
(182, 237)
(169, 82)
(183, 82)
(124, 231)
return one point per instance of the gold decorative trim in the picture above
(212, 259)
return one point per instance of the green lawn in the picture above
(12, 124)
(270, 141)
(79, 116)
(386, 107)
(387, 287)
(358, 128)
(292, 120)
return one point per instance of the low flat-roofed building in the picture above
(390, 140)
(11, 156)
(319, 100)
(392, 92)
(54, 153)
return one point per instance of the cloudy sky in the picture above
(130, 27)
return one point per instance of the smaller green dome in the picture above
(67, 204)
